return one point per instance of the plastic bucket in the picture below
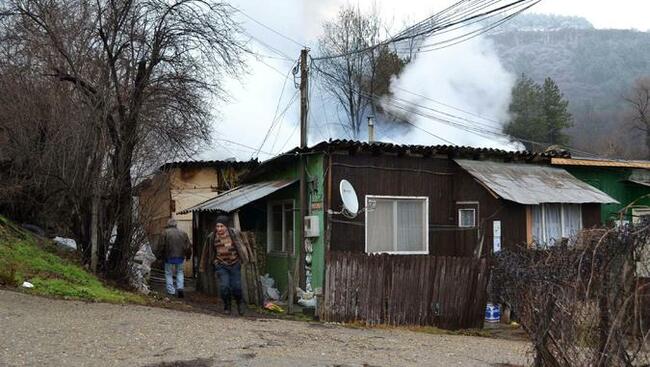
(492, 313)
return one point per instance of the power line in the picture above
(278, 118)
(408, 122)
(484, 131)
(244, 146)
(470, 35)
(447, 105)
(271, 48)
(275, 114)
(271, 29)
(419, 30)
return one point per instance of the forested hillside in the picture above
(595, 69)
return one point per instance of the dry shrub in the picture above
(582, 305)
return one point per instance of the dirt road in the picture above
(37, 331)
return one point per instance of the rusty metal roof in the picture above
(238, 197)
(211, 164)
(533, 184)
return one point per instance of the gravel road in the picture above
(37, 331)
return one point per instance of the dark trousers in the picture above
(229, 280)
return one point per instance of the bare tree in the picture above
(145, 68)
(639, 104)
(356, 80)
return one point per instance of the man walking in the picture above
(174, 246)
(224, 252)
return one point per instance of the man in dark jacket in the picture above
(174, 246)
(224, 252)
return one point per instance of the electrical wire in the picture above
(275, 114)
(301, 45)
(414, 108)
(276, 122)
(421, 28)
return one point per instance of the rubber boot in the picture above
(226, 305)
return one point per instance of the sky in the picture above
(620, 14)
(261, 115)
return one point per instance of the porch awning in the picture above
(236, 198)
(532, 184)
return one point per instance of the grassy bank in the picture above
(25, 257)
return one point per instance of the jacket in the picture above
(208, 253)
(173, 242)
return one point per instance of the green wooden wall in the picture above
(612, 181)
(277, 265)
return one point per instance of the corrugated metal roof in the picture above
(212, 164)
(238, 197)
(533, 184)
(426, 151)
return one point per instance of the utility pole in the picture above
(304, 96)
(297, 274)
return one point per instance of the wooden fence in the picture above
(447, 292)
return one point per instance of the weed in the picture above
(23, 257)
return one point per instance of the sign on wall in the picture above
(496, 235)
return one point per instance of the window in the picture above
(397, 225)
(280, 221)
(640, 214)
(552, 222)
(467, 217)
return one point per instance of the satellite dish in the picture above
(349, 197)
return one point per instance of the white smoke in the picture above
(463, 90)
(467, 75)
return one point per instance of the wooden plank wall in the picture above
(439, 179)
(447, 292)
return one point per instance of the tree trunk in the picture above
(121, 252)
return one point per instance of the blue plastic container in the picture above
(492, 313)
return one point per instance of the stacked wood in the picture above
(250, 271)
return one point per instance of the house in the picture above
(627, 181)
(415, 200)
(176, 186)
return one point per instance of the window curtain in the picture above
(552, 223)
(410, 225)
(380, 226)
(572, 220)
(538, 232)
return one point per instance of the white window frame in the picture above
(543, 220)
(473, 210)
(639, 212)
(425, 229)
(286, 248)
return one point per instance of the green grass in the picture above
(24, 257)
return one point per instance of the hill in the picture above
(594, 68)
(25, 257)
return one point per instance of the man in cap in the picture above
(224, 252)
(174, 246)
